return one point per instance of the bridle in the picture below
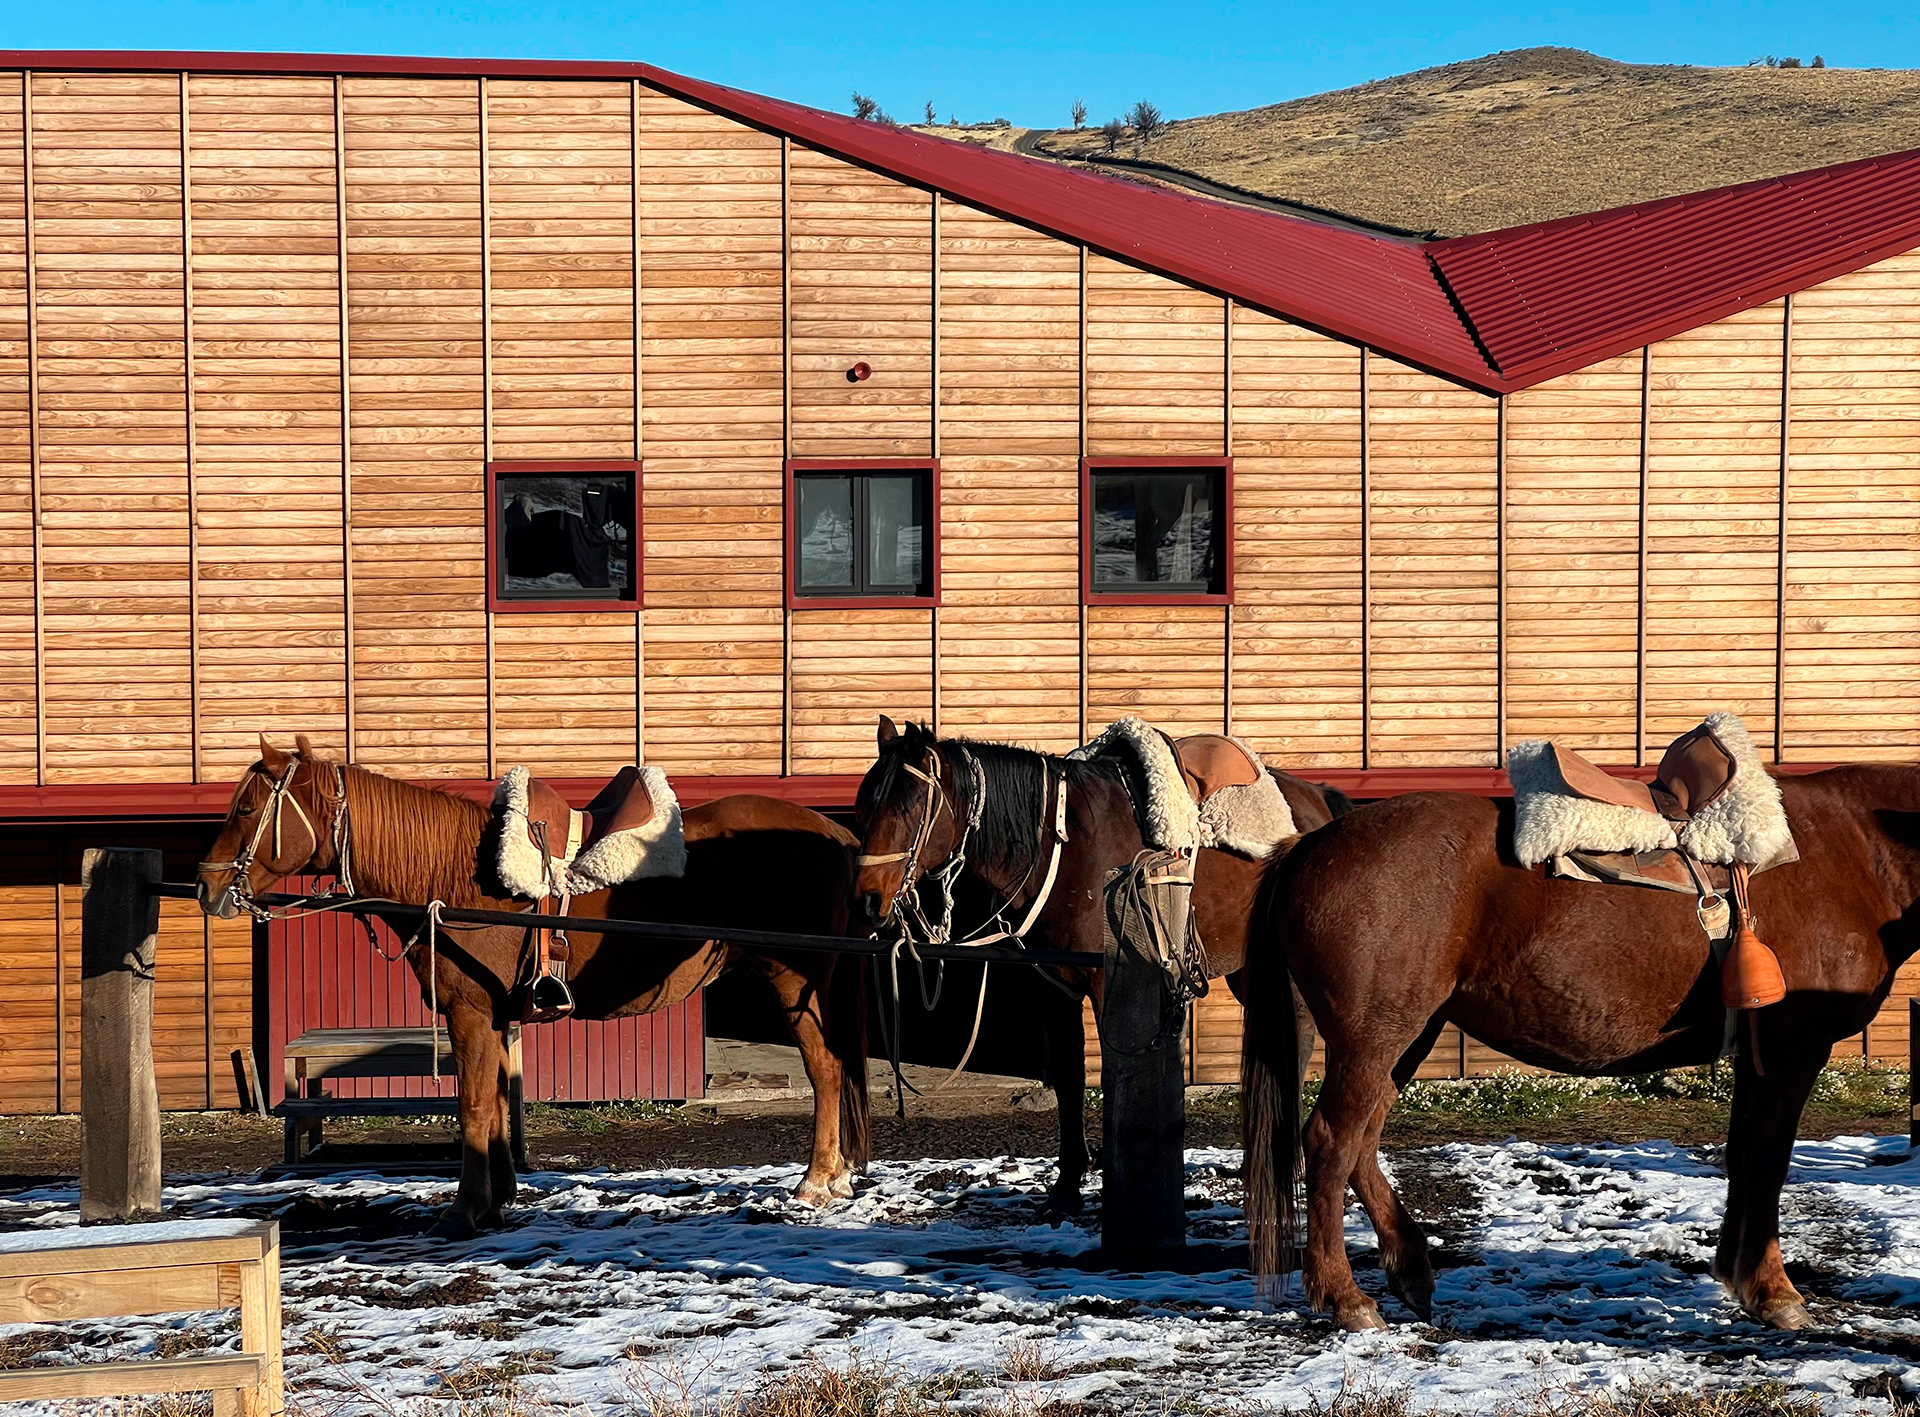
(916, 929)
(906, 901)
(279, 798)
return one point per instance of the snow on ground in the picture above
(1559, 1266)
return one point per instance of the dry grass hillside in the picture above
(1532, 134)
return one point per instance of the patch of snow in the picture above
(1579, 1267)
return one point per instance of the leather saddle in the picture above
(1694, 772)
(1209, 762)
(542, 836)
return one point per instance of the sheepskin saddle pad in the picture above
(1711, 800)
(1205, 790)
(629, 831)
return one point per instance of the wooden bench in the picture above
(323, 1053)
(123, 1271)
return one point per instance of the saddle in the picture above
(550, 852)
(1710, 818)
(1241, 807)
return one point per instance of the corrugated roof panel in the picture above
(1556, 296)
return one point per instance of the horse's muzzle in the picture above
(223, 906)
(875, 904)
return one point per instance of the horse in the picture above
(916, 811)
(751, 862)
(1414, 913)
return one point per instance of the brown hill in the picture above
(1531, 134)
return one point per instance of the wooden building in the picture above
(791, 420)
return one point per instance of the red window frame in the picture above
(1090, 596)
(799, 601)
(586, 467)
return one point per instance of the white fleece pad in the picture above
(1169, 818)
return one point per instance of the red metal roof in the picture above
(1498, 311)
(1560, 295)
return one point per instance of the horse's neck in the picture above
(411, 844)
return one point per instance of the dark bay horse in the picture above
(1413, 913)
(752, 862)
(1005, 864)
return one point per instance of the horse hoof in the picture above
(1363, 1317)
(1787, 1314)
(1062, 1206)
(453, 1225)
(1419, 1300)
(814, 1194)
(494, 1220)
(842, 1187)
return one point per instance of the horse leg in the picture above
(1065, 1044)
(1403, 1241)
(501, 1178)
(804, 999)
(1353, 1100)
(1766, 1116)
(475, 1045)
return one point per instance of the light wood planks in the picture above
(1156, 364)
(1009, 481)
(560, 252)
(111, 277)
(1296, 511)
(19, 692)
(414, 307)
(849, 667)
(1573, 560)
(271, 633)
(1853, 520)
(862, 289)
(711, 317)
(1434, 612)
(1713, 525)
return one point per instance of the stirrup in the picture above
(549, 998)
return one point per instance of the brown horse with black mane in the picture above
(1414, 913)
(919, 815)
(751, 862)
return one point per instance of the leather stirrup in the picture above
(1750, 976)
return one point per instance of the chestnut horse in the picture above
(1005, 862)
(752, 862)
(1413, 913)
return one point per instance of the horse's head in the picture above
(281, 822)
(910, 817)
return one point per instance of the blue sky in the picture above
(981, 60)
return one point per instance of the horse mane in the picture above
(1016, 806)
(414, 844)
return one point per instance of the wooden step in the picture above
(369, 1107)
(203, 1373)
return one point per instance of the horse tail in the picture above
(1338, 803)
(847, 1037)
(1270, 1081)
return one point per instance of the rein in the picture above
(279, 798)
(916, 929)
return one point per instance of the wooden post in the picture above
(1913, 1074)
(1143, 1207)
(260, 1325)
(119, 1097)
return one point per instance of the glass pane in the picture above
(825, 529)
(1153, 529)
(566, 537)
(894, 531)
(1113, 528)
(1181, 515)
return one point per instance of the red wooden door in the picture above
(322, 973)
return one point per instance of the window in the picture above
(1156, 530)
(563, 536)
(862, 532)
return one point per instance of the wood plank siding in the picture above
(261, 336)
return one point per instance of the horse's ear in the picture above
(887, 732)
(272, 758)
(302, 745)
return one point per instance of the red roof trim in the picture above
(1498, 311)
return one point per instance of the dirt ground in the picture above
(647, 1136)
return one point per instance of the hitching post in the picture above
(119, 1098)
(1143, 1206)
